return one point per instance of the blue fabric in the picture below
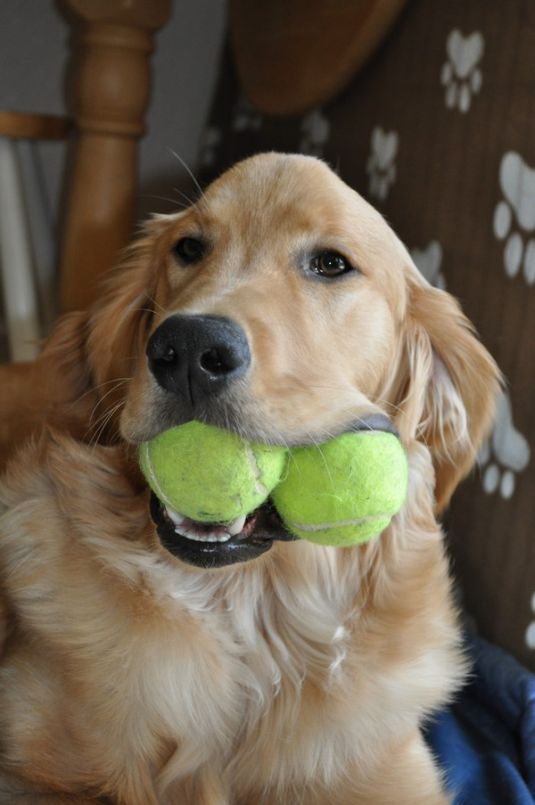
(485, 742)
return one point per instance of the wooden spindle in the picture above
(108, 92)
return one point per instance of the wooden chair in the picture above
(109, 85)
(27, 249)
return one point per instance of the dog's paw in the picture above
(460, 73)
(517, 182)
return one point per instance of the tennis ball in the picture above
(209, 474)
(344, 491)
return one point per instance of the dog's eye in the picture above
(330, 264)
(189, 250)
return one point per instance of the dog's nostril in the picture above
(213, 361)
(168, 355)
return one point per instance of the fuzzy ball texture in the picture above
(344, 491)
(210, 474)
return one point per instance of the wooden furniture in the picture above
(109, 84)
(27, 242)
(292, 56)
(108, 90)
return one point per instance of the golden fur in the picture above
(302, 676)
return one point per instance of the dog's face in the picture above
(282, 305)
(278, 303)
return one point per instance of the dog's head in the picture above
(282, 306)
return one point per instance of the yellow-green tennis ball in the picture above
(210, 474)
(345, 491)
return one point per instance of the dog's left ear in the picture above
(447, 384)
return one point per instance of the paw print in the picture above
(428, 262)
(209, 142)
(246, 118)
(380, 163)
(460, 74)
(504, 454)
(530, 631)
(517, 182)
(316, 129)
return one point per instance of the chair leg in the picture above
(16, 272)
(41, 227)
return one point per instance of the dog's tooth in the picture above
(220, 537)
(203, 537)
(236, 527)
(177, 518)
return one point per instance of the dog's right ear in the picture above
(120, 323)
(64, 354)
(94, 353)
(64, 381)
(54, 389)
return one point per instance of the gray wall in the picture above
(33, 53)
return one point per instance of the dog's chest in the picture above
(198, 673)
(226, 682)
(208, 679)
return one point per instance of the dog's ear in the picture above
(446, 384)
(95, 352)
(55, 389)
(64, 358)
(120, 320)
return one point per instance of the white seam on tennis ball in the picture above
(162, 496)
(338, 524)
(255, 469)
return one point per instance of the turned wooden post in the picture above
(108, 92)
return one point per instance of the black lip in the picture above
(375, 421)
(218, 554)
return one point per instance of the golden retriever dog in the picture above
(141, 665)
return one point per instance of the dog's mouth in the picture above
(211, 545)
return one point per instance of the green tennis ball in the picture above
(345, 491)
(209, 474)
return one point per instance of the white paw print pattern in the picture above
(246, 117)
(208, 149)
(530, 631)
(381, 162)
(428, 261)
(460, 74)
(315, 133)
(505, 454)
(517, 181)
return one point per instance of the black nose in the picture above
(197, 355)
